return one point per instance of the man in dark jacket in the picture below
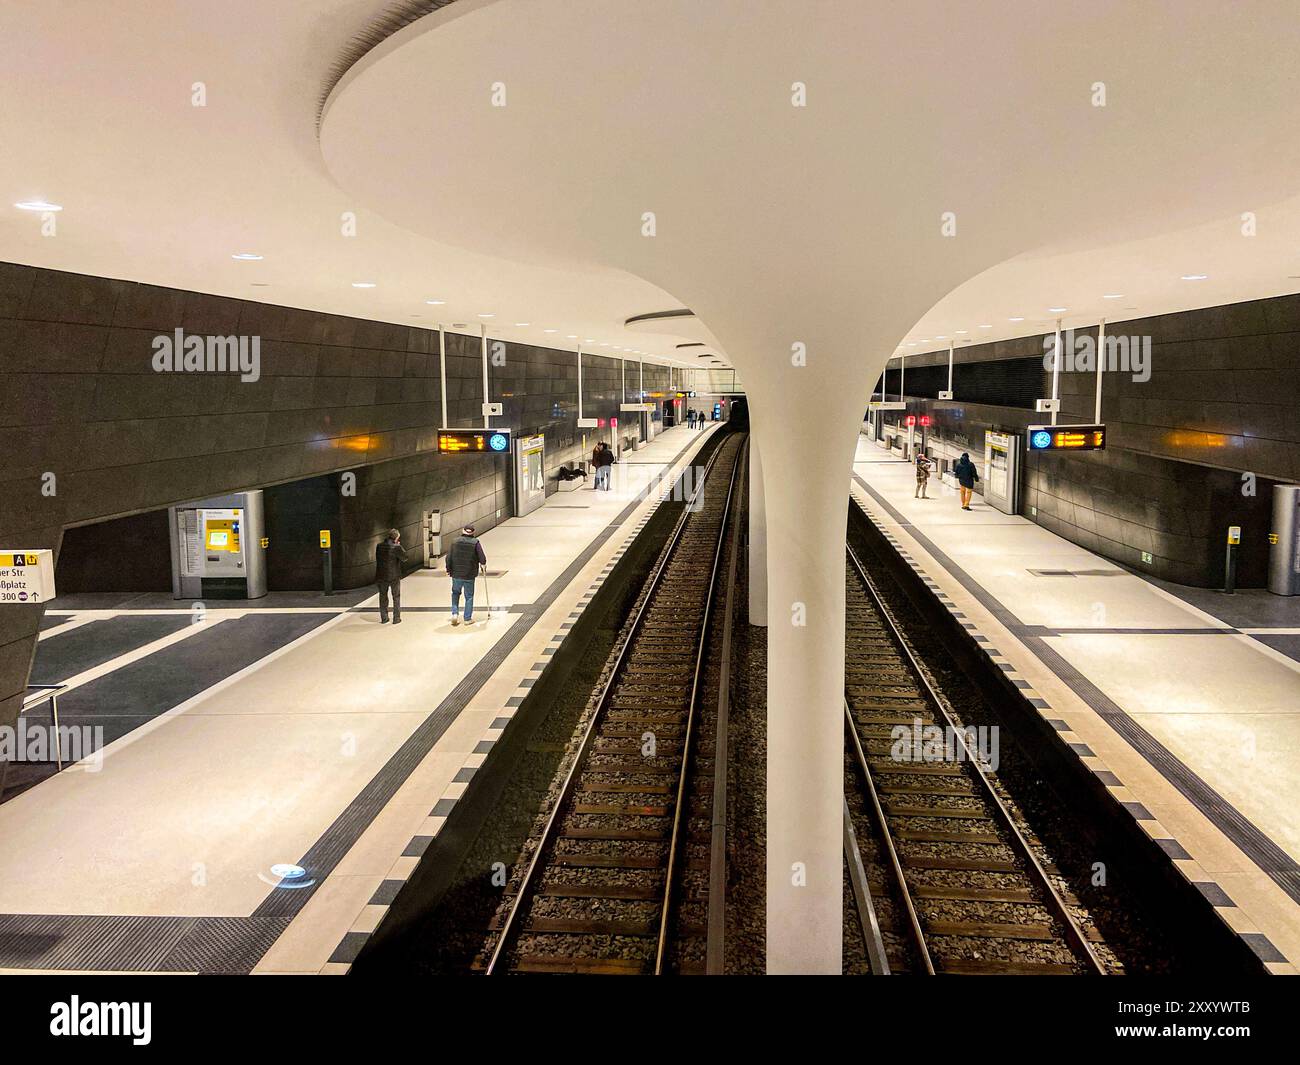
(464, 558)
(390, 557)
(966, 473)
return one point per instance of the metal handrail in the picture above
(509, 926)
(48, 693)
(1055, 904)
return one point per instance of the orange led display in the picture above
(1066, 437)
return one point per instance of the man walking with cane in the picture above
(464, 558)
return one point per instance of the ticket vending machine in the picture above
(530, 474)
(1002, 471)
(218, 548)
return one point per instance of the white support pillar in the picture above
(580, 383)
(757, 539)
(442, 371)
(951, 345)
(805, 487)
(902, 369)
(487, 420)
(1101, 363)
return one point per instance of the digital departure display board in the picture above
(454, 441)
(1066, 437)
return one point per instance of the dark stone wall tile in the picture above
(56, 296)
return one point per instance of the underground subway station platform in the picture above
(455, 519)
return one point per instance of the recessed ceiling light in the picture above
(487, 315)
(1113, 296)
(247, 257)
(363, 284)
(520, 325)
(1021, 319)
(550, 330)
(1195, 277)
(944, 337)
(961, 330)
(571, 336)
(1057, 310)
(435, 303)
(589, 340)
(986, 327)
(911, 343)
(38, 205)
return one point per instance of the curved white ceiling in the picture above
(96, 115)
(822, 224)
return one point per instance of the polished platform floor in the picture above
(294, 731)
(1185, 702)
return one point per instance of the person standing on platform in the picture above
(390, 557)
(923, 466)
(464, 558)
(966, 475)
(602, 458)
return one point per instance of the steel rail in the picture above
(715, 948)
(718, 827)
(1055, 904)
(688, 744)
(510, 927)
(894, 864)
(862, 901)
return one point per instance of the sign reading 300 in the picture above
(26, 576)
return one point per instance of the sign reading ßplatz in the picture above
(26, 576)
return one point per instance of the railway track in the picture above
(602, 888)
(942, 878)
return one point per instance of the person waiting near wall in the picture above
(390, 558)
